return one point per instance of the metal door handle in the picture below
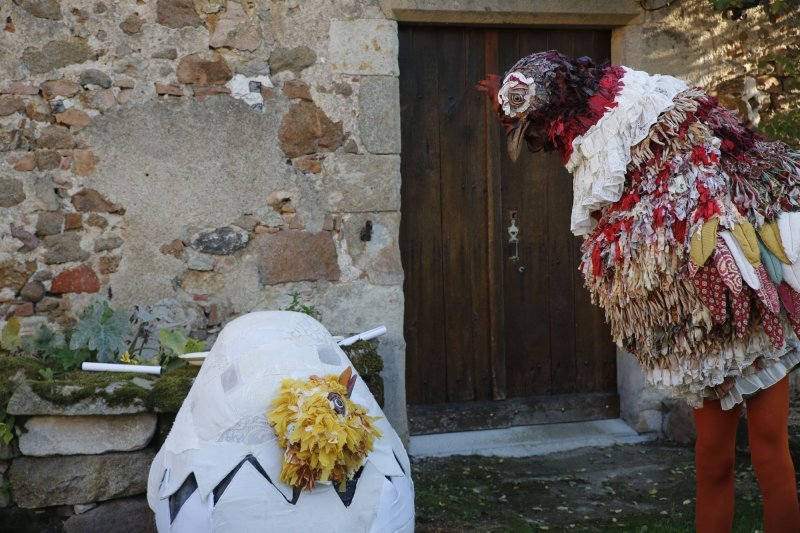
(513, 232)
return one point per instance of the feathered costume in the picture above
(325, 436)
(691, 221)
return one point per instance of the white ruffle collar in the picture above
(600, 156)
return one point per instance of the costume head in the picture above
(326, 436)
(536, 91)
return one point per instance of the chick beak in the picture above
(516, 138)
(348, 380)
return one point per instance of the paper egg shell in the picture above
(219, 469)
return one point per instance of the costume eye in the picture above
(336, 403)
(517, 99)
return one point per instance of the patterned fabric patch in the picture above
(796, 300)
(787, 299)
(768, 294)
(794, 320)
(712, 292)
(740, 304)
(726, 266)
(693, 269)
(771, 324)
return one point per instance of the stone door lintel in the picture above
(573, 13)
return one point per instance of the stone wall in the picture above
(81, 461)
(732, 59)
(218, 154)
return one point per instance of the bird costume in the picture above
(279, 434)
(691, 226)
(691, 221)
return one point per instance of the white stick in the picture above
(113, 367)
(367, 335)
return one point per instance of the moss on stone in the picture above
(171, 389)
(375, 385)
(368, 362)
(115, 388)
(165, 396)
(13, 371)
(365, 357)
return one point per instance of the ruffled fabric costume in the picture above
(691, 221)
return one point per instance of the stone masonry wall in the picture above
(216, 155)
(732, 59)
(210, 155)
(81, 455)
(81, 467)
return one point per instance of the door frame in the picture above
(624, 18)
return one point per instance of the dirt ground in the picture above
(637, 488)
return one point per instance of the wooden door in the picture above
(502, 334)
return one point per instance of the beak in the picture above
(516, 138)
(348, 380)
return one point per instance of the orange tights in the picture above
(767, 420)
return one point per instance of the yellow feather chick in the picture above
(326, 437)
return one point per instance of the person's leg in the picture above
(715, 455)
(767, 427)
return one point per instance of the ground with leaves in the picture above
(624, 488)
(634, 488)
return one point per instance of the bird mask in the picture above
(538, 90)
(517, 97)
(326, 436)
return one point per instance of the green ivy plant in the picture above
(101, 334)
(784, 125)
(44, 344)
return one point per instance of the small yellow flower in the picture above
(126, 358)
